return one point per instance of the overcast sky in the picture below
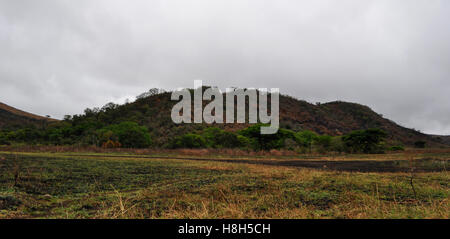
(60, 57)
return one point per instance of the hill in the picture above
(11, 117)
(333, 118)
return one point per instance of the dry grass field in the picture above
(189, 185)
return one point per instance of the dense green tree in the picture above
(26, 135)
(365, 141)
(323, 143)
(129, 134)
(218, 138)
(246, 143)
(305, 139)
(420, 144)
(4, 139)
(397, 148)
(337, 145)
(266, 141)
(192, 141)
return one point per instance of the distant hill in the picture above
(334, 118)
(11, 117)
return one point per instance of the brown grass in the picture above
(235, 190)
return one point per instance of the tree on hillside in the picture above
(151, 92)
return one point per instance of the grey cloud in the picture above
(59, 57)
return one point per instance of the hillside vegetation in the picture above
(148, 121)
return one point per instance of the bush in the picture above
(305, 139)
(191, 141)
(365, 141)
(337, 145)
(111, 144)
(128, 134)
(420, 144)
(266, 141)
(218, 138)
(26, 135)
(4, 140)
(397, 148)
(245, 142)
(323, 143)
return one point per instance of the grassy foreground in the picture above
(43, 185)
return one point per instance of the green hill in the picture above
(153, 110)
(334, 118)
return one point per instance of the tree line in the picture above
(132, 135)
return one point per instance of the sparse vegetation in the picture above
(126, 186)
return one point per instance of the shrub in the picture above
(305, 139)
(27, 135)
(4, 140)
(192, 141)
(245, 142)
(365, 141)
(266, 141)
(337, 145)
(290, 144)
(397, 148)
(323, 143)
(111, 144)
(128, 134)
(218, 138)
(420, 144)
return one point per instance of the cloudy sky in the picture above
(60, 57)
